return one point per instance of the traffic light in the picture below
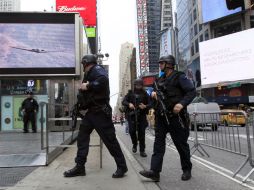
(233, 4)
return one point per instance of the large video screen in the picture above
(227, 58)
(215, 9)
(37, 43)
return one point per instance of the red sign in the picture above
(148, 80)
(86, 9)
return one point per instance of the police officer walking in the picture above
(29, 108)
(138, 104)
(95, 88)
(179, 92)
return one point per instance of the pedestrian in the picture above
(178, 92)
(121, 119)
(95, 90)
(29, 109)
(138, 104)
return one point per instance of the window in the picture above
(195, 29)
(206, 35)
(194, 14)
(192, 49)
(200, 27)
(201, 38)
(197, 46)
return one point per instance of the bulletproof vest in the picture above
(100, 97)
(138, 97)
(171, 89)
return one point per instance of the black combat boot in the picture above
(134, 148)
(155, 176)
(186, 175)
(143, 154)
(119, 172)
(76, 171)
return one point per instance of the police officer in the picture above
(138, 104)
(179, 92)
(29, 108)
(95, 87)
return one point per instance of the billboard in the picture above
(166, 44)
(86, 9)
(220, 8)
(39, 43)
(227, 58)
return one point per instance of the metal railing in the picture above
(63, 129)
(224, 132)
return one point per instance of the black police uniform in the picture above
(177, 89)
(137, 118)
(29, 105)
(98, 117)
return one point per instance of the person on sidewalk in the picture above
(95, 91)
(29, 109)
(178, 92)
(138, 104)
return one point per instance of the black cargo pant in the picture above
(29, 116)
(179, 131)
(137, 130)
(105, 128)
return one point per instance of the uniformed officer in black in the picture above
(179, 92)
(138, 104)
(95, 87)
(29, 108)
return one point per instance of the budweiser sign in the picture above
(70, 9)
(86, 9)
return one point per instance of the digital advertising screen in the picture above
(228, 58)
(214, 9)
(37, 43)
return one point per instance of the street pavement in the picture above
(205, 176)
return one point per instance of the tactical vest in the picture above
(171, 89)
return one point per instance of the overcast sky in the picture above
(117, 22)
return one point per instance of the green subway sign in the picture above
(90, 32)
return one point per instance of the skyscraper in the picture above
(166, 14)
(154, 28)
(9, 5)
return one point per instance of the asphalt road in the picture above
(213, 172)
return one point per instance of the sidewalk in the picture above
(51, 177)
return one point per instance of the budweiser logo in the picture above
(70, 9)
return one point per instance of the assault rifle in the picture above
(81, 104)
(161, 99)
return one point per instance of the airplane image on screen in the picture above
(37, 50)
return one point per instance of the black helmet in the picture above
(138, 82)
(88, 59)
(29, 92)
(168, 59)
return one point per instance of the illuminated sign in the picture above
(86, 9)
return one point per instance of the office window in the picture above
(206, 35)
(192, 49)
(195, 29)
(197, 46)
(194, 14)
(201, 38)
(200, 27)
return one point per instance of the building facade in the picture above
(166, 14)
(154, 28)
(126, 63)
(191, 32)
(9, 5)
